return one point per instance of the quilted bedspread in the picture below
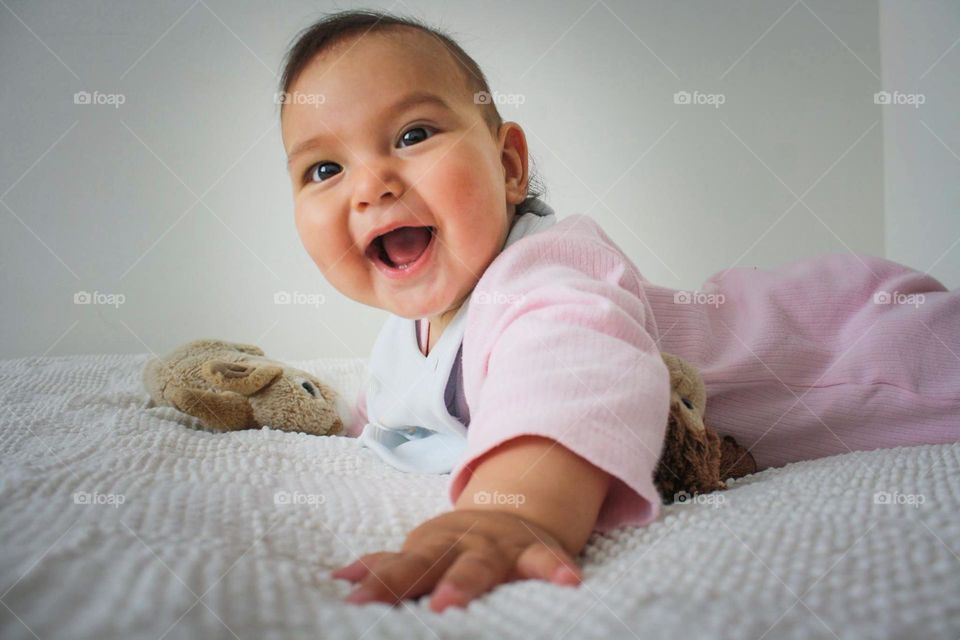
(119, 519)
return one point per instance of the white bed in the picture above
(200, 548)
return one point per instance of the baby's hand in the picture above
(463, 553)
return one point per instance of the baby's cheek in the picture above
(469, 182)
(305, 227)
(318, 236)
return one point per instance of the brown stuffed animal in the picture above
(694, 458)
(231, 386)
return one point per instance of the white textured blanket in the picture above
(117, 520)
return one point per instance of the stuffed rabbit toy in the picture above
(231, 386)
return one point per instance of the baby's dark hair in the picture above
(334, 28)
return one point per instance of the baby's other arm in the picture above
(541, 481)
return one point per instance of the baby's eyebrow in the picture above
(408, 101)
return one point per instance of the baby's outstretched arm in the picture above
(526, 512)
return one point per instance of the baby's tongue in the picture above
(404, 245)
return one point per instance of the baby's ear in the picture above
(240, 377)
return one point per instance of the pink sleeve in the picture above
(557, 345)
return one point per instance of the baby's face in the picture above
(376, 167)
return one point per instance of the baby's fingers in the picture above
(472, 574)
(405, 575)
(549, 563)
(359, 568)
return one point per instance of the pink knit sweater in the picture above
(563, 334)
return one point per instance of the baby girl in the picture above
(412, 195)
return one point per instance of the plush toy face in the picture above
(694, 459)
(280, 397)
(230, 386)
(309, 405)
(690, 460)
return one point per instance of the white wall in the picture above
(921, 58)
(179, 201)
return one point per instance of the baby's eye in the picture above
(317, 174)
(406, 137)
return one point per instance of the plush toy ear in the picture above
(217, 410)
(244, 378)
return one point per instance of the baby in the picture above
(412, 195)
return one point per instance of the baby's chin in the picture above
(414, 311)
(420, 302)
(431, 294)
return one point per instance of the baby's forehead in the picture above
(434, 66)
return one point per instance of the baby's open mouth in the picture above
(400, 248)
